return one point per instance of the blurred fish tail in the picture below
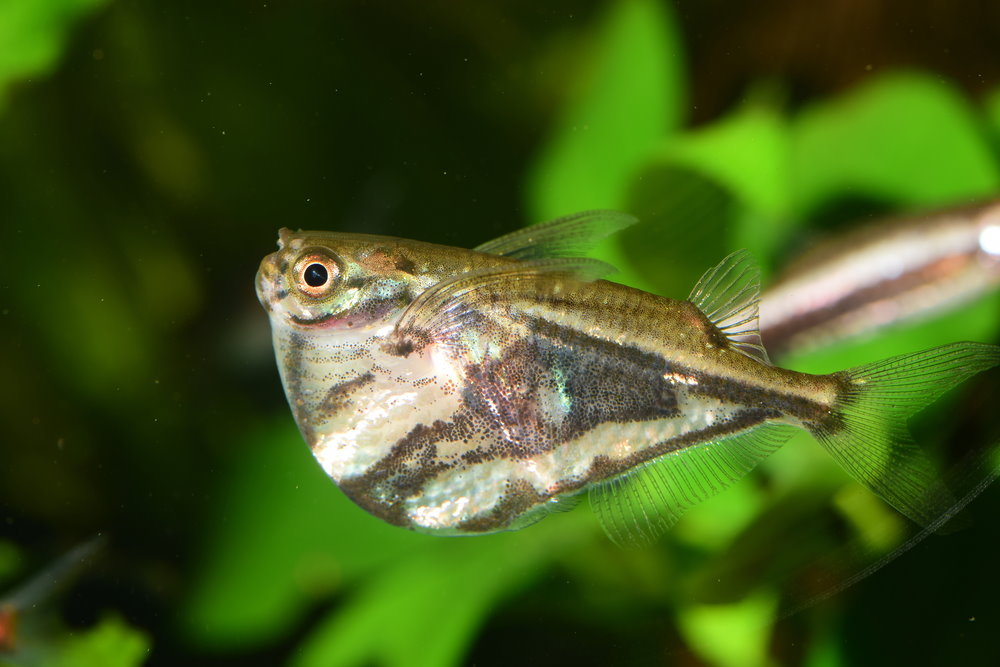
(867, 434)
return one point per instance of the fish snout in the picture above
(268, 282)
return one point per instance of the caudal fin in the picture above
(867, 432)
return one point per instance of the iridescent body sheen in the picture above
(470, 391)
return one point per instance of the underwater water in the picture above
(149, 153)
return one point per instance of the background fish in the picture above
(472, 391)
(881, 275)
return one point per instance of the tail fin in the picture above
(867, 433)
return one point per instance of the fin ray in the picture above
(568, 236)
(564, 503)
(638, 507)
(442, 309)
(729, 295)
(869, 436)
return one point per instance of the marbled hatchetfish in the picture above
(457, 391)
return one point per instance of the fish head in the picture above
(333, 300)
(336, 282)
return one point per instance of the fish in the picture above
(458, 392)
(881, 275)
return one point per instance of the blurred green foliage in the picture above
(908, 138)
(111, 643)
(993, 114)
(142, 180)
(33, 34)
(630, 95)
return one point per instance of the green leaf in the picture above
(284, 536)
(33, 33)
(11, 561)
(633, 96)
(906, 138)
(685, 219)
(707, 192)
(992, 105)
(712, 524)
(748, 154)
(734, 634)
(424, 611)
(112, 643)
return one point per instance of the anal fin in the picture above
(638, 507)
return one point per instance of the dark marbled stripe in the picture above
(736, 392)
(518, 500)
(520, 497)
(405, 470)
(604, 468)
(723, 388)
(602, 382)
(338, 398)
(292, 374)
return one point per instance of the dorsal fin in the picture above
(729, 295)
(569, 236)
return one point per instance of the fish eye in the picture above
(316, 273)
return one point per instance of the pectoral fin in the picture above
(569, 236)
(441, 311)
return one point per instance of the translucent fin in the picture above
(564, 503)
(867, 433)
(569, 236)
(552, 506)
(983, 471)
(728, 295)
(442, 310)
(638, 507)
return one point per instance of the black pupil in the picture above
(316, 275)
